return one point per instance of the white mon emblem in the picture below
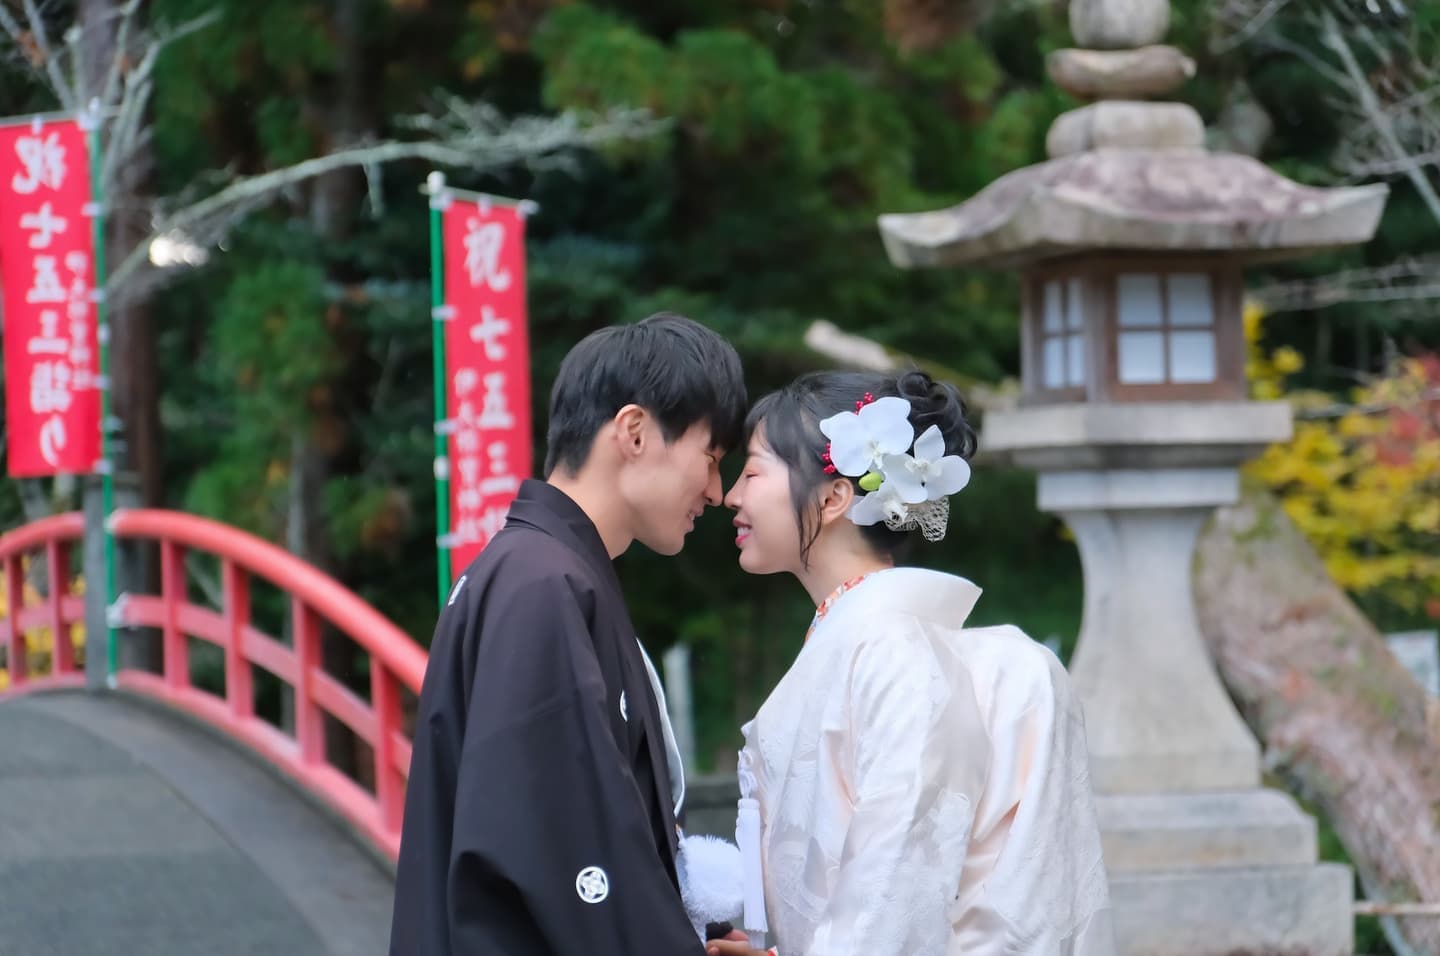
(592, 884)
(624, 709)
(455, 591)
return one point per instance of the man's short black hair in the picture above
(673, 367)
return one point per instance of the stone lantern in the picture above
(1129, 243)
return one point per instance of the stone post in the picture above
(93, 567)
(1173, 728)
(1202, 859)
(129, 573)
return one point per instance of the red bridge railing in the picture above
(397, 663)
(51, 539)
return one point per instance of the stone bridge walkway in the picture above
(124, 830)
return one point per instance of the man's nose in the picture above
(714, 491)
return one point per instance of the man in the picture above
(539, 815)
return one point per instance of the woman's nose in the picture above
(732, 500)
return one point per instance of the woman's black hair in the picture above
(790, 421)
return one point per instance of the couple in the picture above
(922, 788)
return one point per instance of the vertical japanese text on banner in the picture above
(487, 359)
(47, 274)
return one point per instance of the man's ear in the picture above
(835, 500)
(630, 431)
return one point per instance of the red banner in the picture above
(47, 272)
(487, 371)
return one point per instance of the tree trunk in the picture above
(136, 447)
(1340, 719)
(136, 379)
(339, 109)
(135, 388)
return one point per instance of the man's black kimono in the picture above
(538, 817)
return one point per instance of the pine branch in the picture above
(1342, 409)
(1253, 21)
(17, 35)
(116, 72)
(1379, 120)
(126, 132)
(1412, 280)
(1370, 168)
(208, 583)
(1309, 58)
(63, 91)
(856, 351)
(469, 136)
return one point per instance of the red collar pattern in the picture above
(835, 595)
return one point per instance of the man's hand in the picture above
(734, 944)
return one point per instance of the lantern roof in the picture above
(1136, 200)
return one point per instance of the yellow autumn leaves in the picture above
(1361, 476)
(40, 641)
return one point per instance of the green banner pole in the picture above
(435, 186)
(90, 121)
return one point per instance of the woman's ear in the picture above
(630, 424)
(835, 500)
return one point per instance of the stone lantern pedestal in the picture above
(1202, 859)
(1130, 243)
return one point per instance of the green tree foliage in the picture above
(276, 308)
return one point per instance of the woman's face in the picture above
(766, 530)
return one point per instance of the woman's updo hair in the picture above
(789, 420)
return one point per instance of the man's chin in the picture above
(666, 549)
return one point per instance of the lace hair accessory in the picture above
(909, 480)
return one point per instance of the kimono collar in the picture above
(546, 508)
(943, 599)
(834, 596)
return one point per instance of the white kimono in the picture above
(924, 788)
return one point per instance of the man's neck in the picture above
(600, 505)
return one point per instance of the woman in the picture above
(923, 788)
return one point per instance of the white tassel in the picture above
(747, 836)
(710, 881)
